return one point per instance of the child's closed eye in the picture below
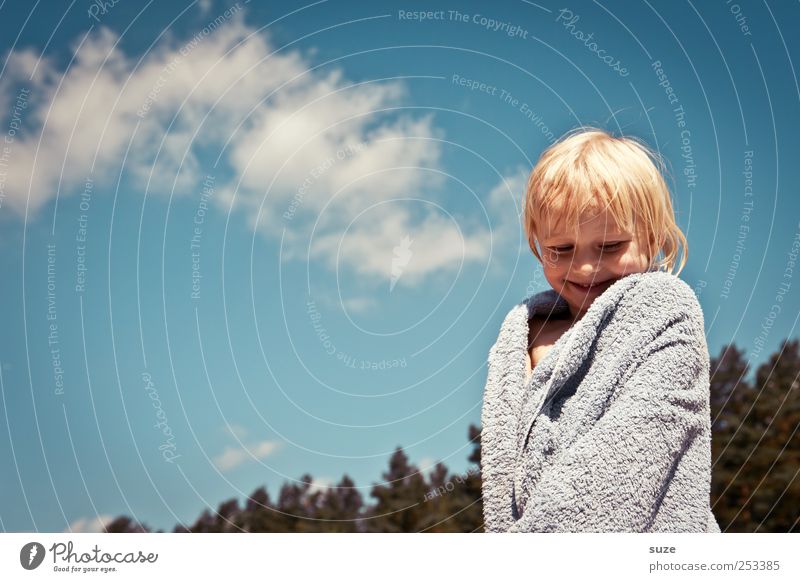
(609, 248)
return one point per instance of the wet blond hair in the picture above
(590, 169)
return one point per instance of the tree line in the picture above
(755, 475)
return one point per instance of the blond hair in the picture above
(588, 168)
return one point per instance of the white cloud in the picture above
(505, 202)
(90, 524)
(374, 246)
(505, 205)
(359, 304)
(81, 120)
(293, 136)
(233, 457)
(426, 465)
(368, 247)
(320, 484)
(235, 430)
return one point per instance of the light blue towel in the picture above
(612, 432)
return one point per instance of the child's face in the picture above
(602, 254)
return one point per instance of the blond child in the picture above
(596, 407)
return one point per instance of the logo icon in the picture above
(401, 256)
(31, 555)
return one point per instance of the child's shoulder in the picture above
(658, 299)
(659, 288)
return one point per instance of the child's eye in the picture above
(611, 247)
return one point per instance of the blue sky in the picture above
(287, 236)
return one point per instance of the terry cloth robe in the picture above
(612, 431)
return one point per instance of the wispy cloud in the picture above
(90, 524)
(233, 457)
(235, 430)
(426, 464)
(321, 484)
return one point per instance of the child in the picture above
(596, 408)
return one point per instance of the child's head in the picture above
(598, 208)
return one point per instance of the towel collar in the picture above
(569, 351)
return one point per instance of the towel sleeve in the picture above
(614, 476)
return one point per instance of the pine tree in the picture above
(757, 450)
(471, 517)
(227, 518)
(259, 515)
(340, 508)
(296, 506)
(729, 388)
(399, 506)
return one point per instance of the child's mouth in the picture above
(590, 288)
